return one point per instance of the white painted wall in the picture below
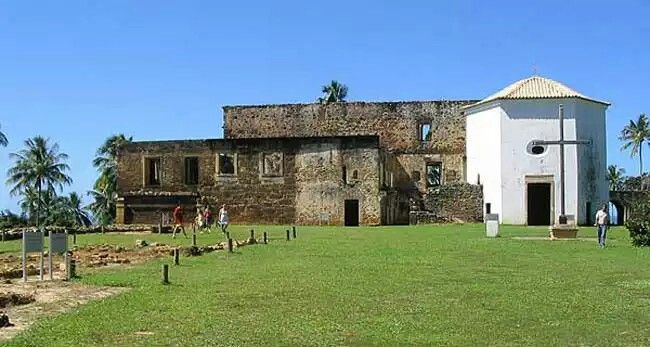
(498, 135)
(522, 122)
(483, 143)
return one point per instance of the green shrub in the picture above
(639, 224)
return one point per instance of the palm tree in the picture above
(615, 177)
(334, 92)
(106, 184)
(633, 135)
(38, 165)
(3, 140)
(78, 214)
(103, 206)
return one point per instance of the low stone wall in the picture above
(16, 233)
(454, 202)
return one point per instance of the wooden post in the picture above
(165, 274)
(229, 245)
(266, 240)
(177, 253)
(288, 235)
(252, 234)
(294, 232)
(74, 237)
(193, 240)
(73, 269)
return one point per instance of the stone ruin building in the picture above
(348, 163)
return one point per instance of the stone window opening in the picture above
(345, 175)
(226, 164)
(434, 174)
(272, 164)
(425, 131)
(488, 208)
(415, 175)
(152, 171)
(355, 175)
(192, 171)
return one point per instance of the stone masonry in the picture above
(303, 163)
(307, 183)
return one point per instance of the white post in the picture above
(42, 243)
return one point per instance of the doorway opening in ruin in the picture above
(351, 218)
(539, 204)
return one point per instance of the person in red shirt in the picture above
(178, 220)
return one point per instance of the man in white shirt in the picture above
(602, 222)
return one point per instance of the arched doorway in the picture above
(616, 212)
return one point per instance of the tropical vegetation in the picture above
(104, 190)
(39, 170)
(3, 140)
(633, 135)
(333, 92)
(615, 177)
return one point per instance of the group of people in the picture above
(203, 219)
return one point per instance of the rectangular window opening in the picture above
(425, 132)
(226, 164)
(488, 208)
(152, 171)
(192, 171)
(434, 174)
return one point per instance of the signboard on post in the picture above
(32, 243)
(58, 244)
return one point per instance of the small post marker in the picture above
(177, 253)
(252, 234)
(194, 240)
(165, 274)
(266, 239)
(229, 245)
(73, 269)
(74, 237)
(294, 232)
(288, 235)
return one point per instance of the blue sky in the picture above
(79, 71)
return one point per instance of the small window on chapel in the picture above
(425, 132)
(355, 174)
(434, 174)
(152, 171)
(226, 164)
(192, 170)
(344, 175)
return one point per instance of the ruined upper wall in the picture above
(396, 123)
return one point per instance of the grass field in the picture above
(383, 286)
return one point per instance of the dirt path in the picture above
(52, 298)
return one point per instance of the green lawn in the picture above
(383, 286)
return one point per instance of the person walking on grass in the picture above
(602, 223)
(223, 218)
(207, 216)
(178, 220)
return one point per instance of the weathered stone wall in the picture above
(396, 123)
(311, 181)
(455, 202)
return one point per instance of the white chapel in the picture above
(513, 150)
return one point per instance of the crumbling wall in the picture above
(300, 191)
(455, 202)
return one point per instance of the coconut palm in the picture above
(633, 135)
(77, 213)
(3, 140)
(334, 92)
(106, 184)
(39, 165)
(615, 177)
